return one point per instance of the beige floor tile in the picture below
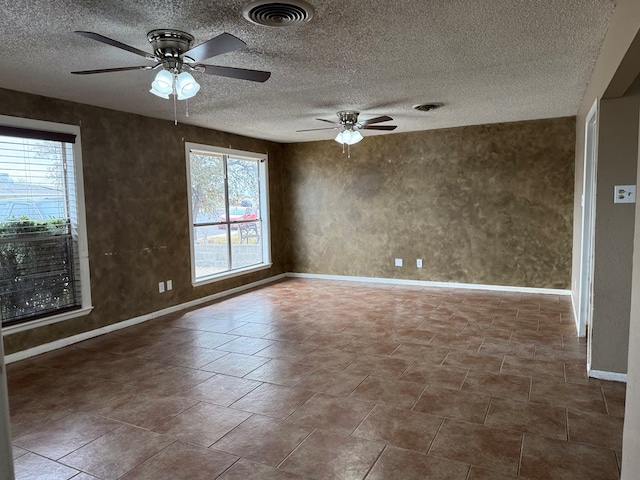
(408, 465)
(172, 381)
(221, 389)
(336, 414)
(35, 467)
(435, 375)
(114, 454)
(392, 393)
(547, 459)
(61, 437)
(247, 470)
(474, 361)
(595, 429)
(262, 439)
(400, 428)
(202, 424)
(445, 402)
(498, 385)
(331, 456)
(527, 417)
(180, 461)
(333, 382)
(572, 396)
(235, 364)
(273, 400)
(378, 366)
(478, 473)
(478, 445)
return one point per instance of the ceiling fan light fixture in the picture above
(354, 138)
(162, 85)
(348, 137)
(186, 86)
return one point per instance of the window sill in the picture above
(41, 322)
(234, 273)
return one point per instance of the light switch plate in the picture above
(624, 194)
(398, 262)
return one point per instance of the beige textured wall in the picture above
(617, 158)
(631, 437)
(487, 204)
(136, 203)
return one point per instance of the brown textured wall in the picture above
(136, 203)
(485, 204)
(617, 160)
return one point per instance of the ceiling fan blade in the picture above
(383, 118)
(115, 43)
(223, 43)
(240, 73)
(328, 121)
(117, 69)
(380, 127)
(314, 129)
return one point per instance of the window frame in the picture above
(81, 228)
(263, 173)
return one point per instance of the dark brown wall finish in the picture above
(136, 204)
(487, 204)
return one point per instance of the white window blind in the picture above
(39, 252)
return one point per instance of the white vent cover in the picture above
(278, 14)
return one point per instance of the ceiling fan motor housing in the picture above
(168, 45)
(348, 118)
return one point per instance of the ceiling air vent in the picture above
(427, 107)
(278, 14)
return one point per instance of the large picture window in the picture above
(227, 211)
(43, 254)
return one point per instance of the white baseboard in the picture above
(424, 283)
(613, 376)
(65, 342)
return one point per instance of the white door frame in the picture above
(6, 450)
(588, 203)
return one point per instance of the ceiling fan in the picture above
(348, 122)
(174, 54)
(349, 125)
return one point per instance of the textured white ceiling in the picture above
(487, 60)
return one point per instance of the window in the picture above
(43, 253)
(227, 211)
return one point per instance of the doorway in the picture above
(585, 295)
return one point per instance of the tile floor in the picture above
(325, 380)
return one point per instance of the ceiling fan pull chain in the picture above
(186, 102)
(175, 110)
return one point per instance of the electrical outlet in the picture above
(161, 287)
(624, 194)
(169, 285)
(398, 262)
(419, 263)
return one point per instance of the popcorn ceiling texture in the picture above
(489, 61)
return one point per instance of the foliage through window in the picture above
(41, 239)
(227, 210)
